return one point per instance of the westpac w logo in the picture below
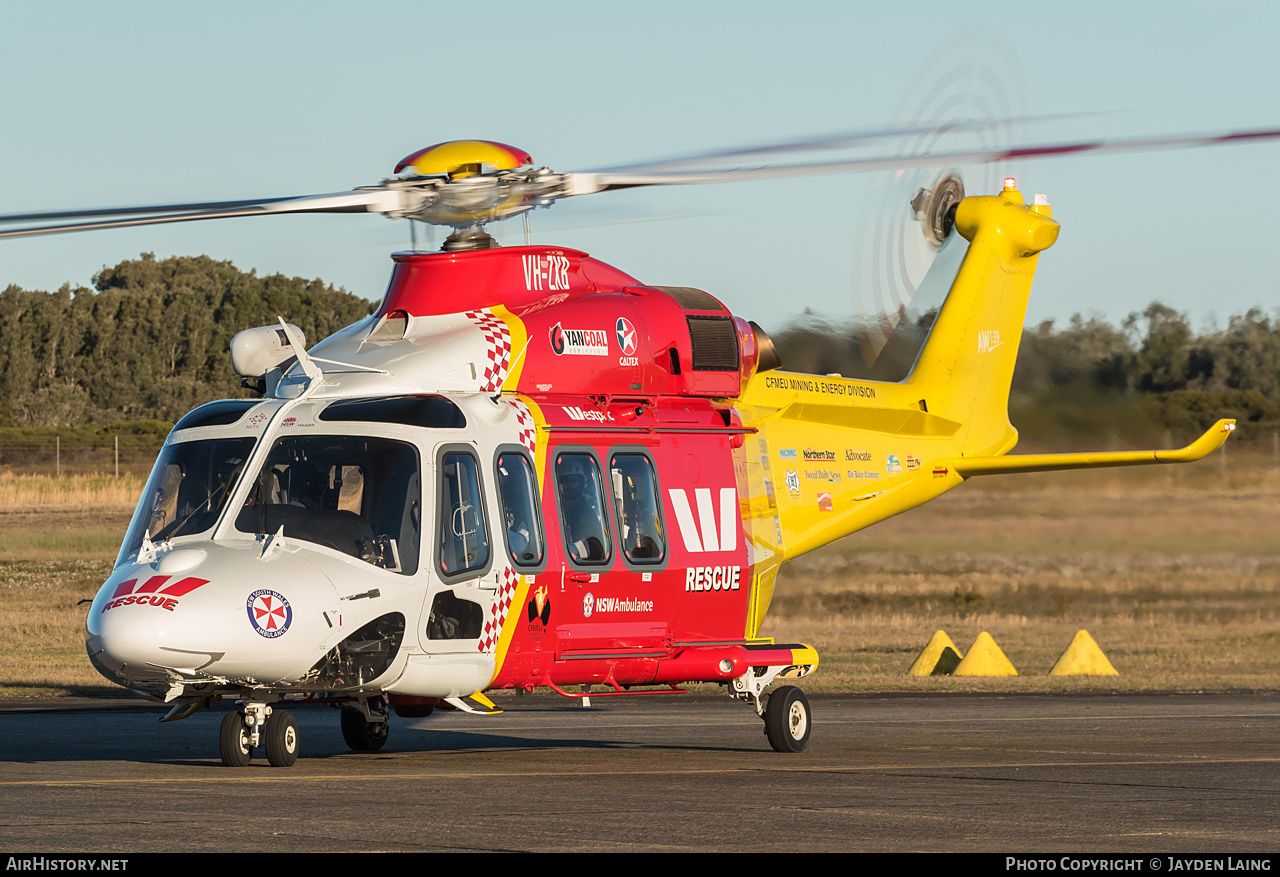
(702, 537)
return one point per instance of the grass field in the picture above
(1174, 571)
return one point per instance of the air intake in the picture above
(715, 343)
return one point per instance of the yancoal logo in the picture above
(269, 613)
(579, 342)
(702, 536)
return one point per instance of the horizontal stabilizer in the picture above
(1213, 439)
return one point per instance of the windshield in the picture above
(361, 496)
(188, 488)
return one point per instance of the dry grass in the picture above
(1175, 572)
(51, 493)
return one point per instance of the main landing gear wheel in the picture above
(281, 732)
(233, 741)
(363, 736)
(787, 722)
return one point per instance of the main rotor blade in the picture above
(373, 200)
(587, 183)
(848, 140)
(133, 211)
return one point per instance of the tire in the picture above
(281, 732)
(233, 741)
(787, 721)
(363, 736)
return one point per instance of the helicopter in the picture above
(529, 469)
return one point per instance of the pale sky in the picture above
(135, 103)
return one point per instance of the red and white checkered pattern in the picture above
(497, 348)
(527, 430)
(501, 606)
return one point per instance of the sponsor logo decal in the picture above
(787, 453)
(289, 421)
(824, 502)
(579, 342)
(540, 607)
(152, 593)
(702, 536)
(545, 272)
(713, 578)
(576, 413)
(626, 342)
(256, 419)
(622, 604)
(913, 462)
(812, 385)
(811, 455)
(860, 455)
(862, 473)
(893, 465)
(588, 605)
(822, 474)
(269, 613)
(793, 482)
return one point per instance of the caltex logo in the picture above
(626, 336)
(269, 613)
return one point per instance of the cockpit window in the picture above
(361, 496)
(187, 490)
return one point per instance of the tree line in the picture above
(149, 341)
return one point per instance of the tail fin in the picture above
(965, 369)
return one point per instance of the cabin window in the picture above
(582, 517)
(519, 491)
(635, 502)
(361, 496)
(464, 536)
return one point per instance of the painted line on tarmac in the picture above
(515, 774)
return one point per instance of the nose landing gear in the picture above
(258, 725)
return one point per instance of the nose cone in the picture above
(197, 615)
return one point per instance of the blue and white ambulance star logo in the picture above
(269, 613)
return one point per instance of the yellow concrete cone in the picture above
(985, 659)
(939, 657)
(1083, 658)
